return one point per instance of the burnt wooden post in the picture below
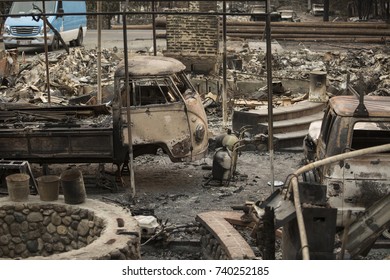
(265, 234)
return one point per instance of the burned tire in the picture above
(80, 38)
(55, 45)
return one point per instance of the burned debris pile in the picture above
(368, 68)
(73, 77)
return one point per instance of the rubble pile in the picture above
(71, 75)
(369, 69)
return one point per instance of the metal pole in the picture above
(129, 134)
(224, 85)
(326, 10)
(269, 89)
(46, 52)
(99, 52)
(154, 28)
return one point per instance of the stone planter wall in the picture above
(55, 230)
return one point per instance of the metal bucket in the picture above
(18, 186)
(73, 186)
(317, 92)
(48, 187)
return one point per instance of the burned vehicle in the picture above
(259, 13)
(166, 113)
(317, 9)
(343, 191)
(351, 123)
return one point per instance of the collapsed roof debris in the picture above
(297, 65)
(71, 76)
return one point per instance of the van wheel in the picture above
(79, 40)
(55, 45)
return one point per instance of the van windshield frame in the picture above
(28, 7)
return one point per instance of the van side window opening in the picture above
(370, 134)
(326, 124)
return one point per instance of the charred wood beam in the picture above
(265, 234)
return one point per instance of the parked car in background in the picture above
(26, 29)
(288, 15)
(317, 9)
(259, 13)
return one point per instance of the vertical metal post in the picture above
(154, 28)
(224, 85)
(129, 134)
(269, 89)
(326, 10)
(46, 52)
(99, 52)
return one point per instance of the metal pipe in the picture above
(46, 53)
(269, 90)
(129, 134)
(294, 186)
(154, 28)
(99, 53)
(224, 85)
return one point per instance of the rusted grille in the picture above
(24, 30)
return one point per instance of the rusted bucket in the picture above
(72, 183)
(48, 187)
(18, 186)
(317, 92)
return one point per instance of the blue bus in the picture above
(28, 31)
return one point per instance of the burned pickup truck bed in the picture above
(57, 134)
(155, 98)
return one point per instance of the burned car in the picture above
(351, 123)
(317, 9)
(166, 110)
(166, 113)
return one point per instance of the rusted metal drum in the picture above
(18, 186)
(72, 183)
(48, 187)
(317, 91)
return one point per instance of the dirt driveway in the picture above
(177, 191)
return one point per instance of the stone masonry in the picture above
(55, 230)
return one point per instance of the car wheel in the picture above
(80, 38)
(55, 45)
